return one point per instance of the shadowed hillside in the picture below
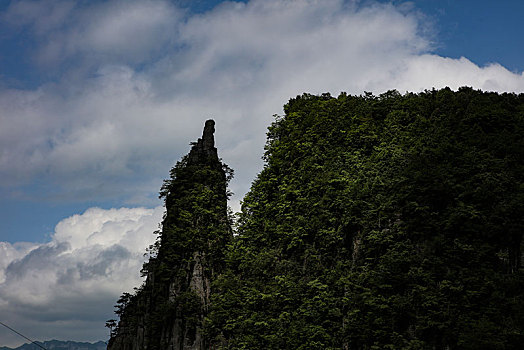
(378, 222)
(168, 311)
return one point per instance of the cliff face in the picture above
(382, 222)
(378, 222)
(168, 310)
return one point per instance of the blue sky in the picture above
(99, 99)
(483, 31)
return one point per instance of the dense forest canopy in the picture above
(378, 222)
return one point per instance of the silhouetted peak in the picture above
(204, 148)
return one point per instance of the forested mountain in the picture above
(378, 222)
(168, 310)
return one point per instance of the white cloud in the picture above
(77, 277)
(43, 16)
(132, 84)
(96, 32)
(442, 71)
(118, 31)
(95, 132)
(10, 252)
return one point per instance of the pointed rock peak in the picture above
(204, 148)
(208, 138)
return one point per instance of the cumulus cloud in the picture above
(156, 74)
(11, 252)
(75, 279)
(239, 63)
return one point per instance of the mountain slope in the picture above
(378, 222)
(168, 311)
(391, 221)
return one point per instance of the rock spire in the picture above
(204, 148)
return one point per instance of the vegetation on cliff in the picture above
(168, 310)
(378, 222)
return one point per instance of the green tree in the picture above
(382, 222)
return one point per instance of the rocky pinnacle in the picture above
(204, 148)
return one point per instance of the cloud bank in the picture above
(132, 82)
(65, 287)
(128, 84)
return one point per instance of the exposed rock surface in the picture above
(168, 311)
(204, 148)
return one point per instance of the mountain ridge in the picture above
(378, 222)
(60, 345)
